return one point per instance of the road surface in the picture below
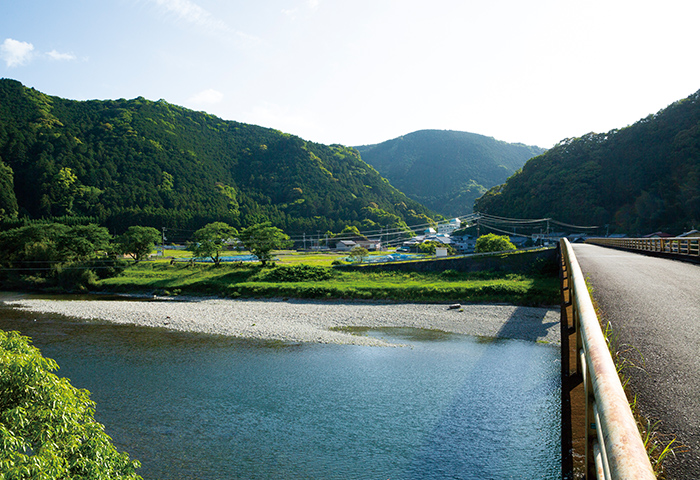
(653, 305)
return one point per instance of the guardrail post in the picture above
(567, 453)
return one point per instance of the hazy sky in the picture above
(363, 71)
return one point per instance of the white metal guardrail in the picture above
(686, 246)
(614, 448)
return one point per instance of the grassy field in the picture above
(284, 257)
(311, 276)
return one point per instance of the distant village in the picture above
(454, 235)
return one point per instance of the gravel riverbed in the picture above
(307, 321)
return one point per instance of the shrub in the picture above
(297, 273)
(493, 243)
(450, 274)
(75, 277)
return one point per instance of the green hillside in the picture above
(446, 170)
(639, 179)
(127, 162)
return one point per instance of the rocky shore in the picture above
(307, 321)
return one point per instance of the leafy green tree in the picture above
(358, 254)
(493, 243)
(351, 231)
(8, 201)
(47, 426)
(138, 242)
(210, 240)
(430, 246)
(66, 186)
(82, 242)
(53, 254)
(262, 238)
(53, 242)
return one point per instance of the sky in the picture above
(359, 72)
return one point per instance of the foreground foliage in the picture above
(47, 427)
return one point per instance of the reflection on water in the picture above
(192, 406)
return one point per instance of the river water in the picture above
(194, 406)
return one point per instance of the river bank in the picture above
(307, 321)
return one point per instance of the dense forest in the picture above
(446, 170)
(139, 162)
(639, 179)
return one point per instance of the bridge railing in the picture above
(614, 447)
(689, 246)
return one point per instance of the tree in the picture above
(493, 243)
(82, 242)
(351, 231)
(53, 242)
(211, 239)
(358, 254)
(8, 200)
(66, 186)
(138, 242)
(430, 246)
(260, 239)
(55, 255)
(47, 426)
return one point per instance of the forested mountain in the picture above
(139, 162)
(446, 170)
(639, 179)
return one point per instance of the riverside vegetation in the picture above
(303, 280)
(57, 258)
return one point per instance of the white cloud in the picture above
(192, 13)
(294, 12)
(54, 55)
(16, 53)
(206, 97)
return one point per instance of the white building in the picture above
(449, 227)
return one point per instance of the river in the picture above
(198, 406)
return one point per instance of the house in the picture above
(464, 243)
(692, 234)
(658, 235)
(518, 240)
(345, 245)
(370, 244)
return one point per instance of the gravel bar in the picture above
(308, 321)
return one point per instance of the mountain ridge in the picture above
(638, 179)
(446, 170)
(152, 163)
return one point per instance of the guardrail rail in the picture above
(614, 447)
(684, 246)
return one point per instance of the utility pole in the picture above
(304, 240)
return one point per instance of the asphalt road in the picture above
(653, 305)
